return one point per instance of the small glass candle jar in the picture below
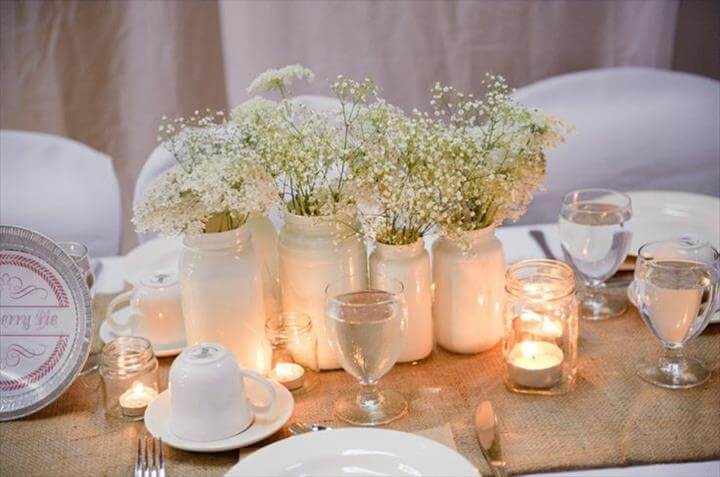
(128, 368)
(540, 327)
(294, 351)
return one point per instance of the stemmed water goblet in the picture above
(677, 291)
(366, 328)
(596, 242)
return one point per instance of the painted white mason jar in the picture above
(469, 292)
(265, 240)
(314, 252)
(222, 295)
(409, 264)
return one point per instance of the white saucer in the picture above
(715, 318)
(157, 418)
(162, 350)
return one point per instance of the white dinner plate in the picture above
(354, 451)
(631, 293)
(161, 350)
(161, 254)
(157, 421)
(665, 215)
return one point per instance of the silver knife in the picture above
(487, 434)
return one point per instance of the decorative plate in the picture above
(45, 321)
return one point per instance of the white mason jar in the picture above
(265, 240)
(314, 252)
(409, 264)
(222, 295)
(469, 291)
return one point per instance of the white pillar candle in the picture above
(135, 400)
(535, 364)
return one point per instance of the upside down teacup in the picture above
(208, 401)
(155, 311)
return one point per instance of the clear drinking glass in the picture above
(79, 253)
(366, 328)
(677, 291)
(596, 242)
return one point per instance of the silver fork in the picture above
(149, 461)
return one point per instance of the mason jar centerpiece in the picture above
(393, 180)
(209, 196)
(308, 151)
(489, 158)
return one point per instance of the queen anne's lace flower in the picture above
(280, 79)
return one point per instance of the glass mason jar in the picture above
(409, 264)
(222, 294)
(467, 303)
(128, 368)
(294, 351)
(314, 252)
(540, 327)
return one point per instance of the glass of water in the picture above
(596, 241)
(677, 291)
(79, 253)
(366, 328)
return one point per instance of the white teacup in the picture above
(207, 394)
(155, 311)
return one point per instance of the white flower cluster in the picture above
(279, 79)
(308, 152)
(470, 164)
(493, 156)
(215, 186)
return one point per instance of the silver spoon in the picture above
(297, 428)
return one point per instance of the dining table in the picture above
(611, 424)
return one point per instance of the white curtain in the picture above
(105, 72)
(406, 46)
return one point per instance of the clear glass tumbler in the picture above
(366, 328)
(79, 253)
(677, 292)
(596, 242)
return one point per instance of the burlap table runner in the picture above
(611, 418)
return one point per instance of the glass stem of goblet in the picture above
(672, 361)
(369, 395)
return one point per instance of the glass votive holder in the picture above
(129, 371)
(294, 362)
(540, 327)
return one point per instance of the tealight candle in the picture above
(135, 400)
(290, 375)
(535, 364)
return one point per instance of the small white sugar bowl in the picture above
(208, 401)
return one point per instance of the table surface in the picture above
(610, 419)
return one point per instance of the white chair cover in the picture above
(60, 188)
(636, 128)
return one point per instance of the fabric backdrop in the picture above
(105, 72)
